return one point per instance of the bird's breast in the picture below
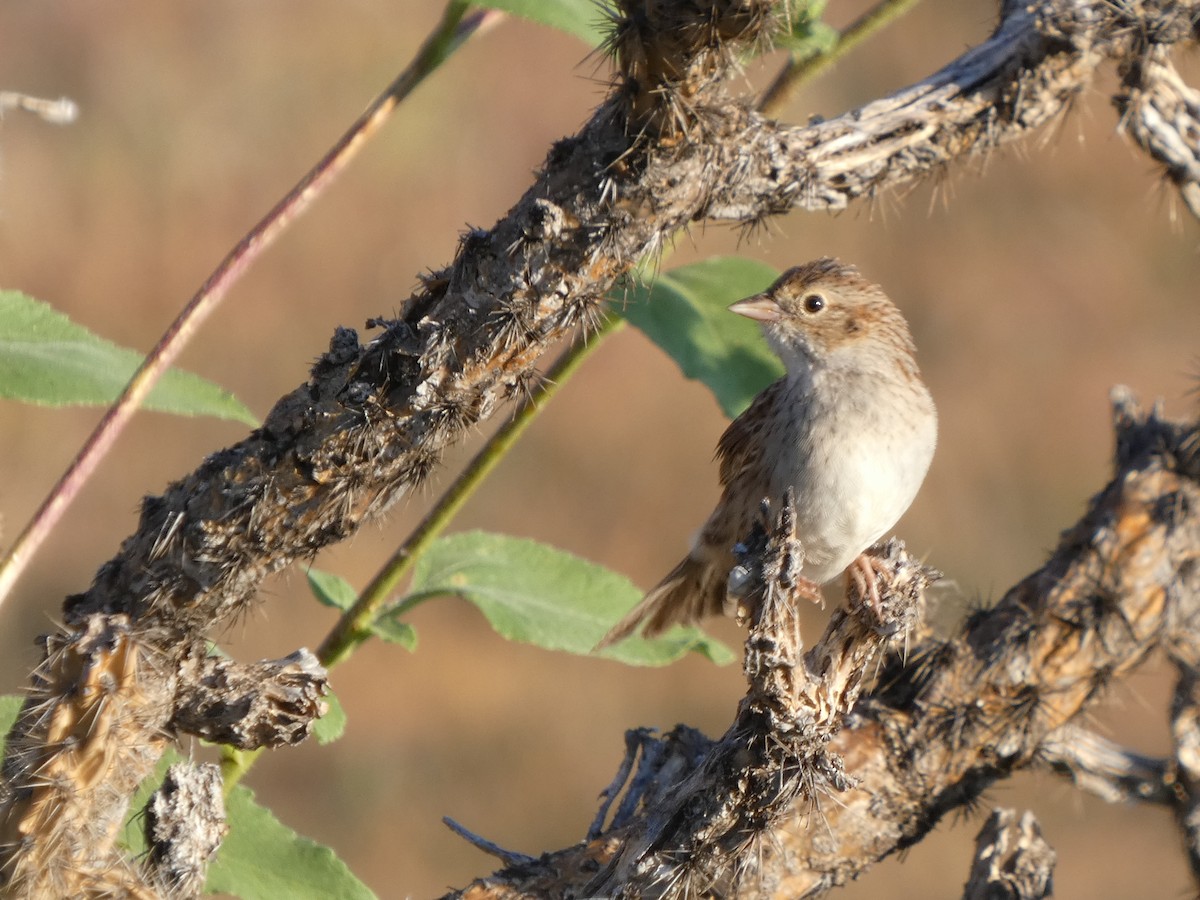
(855, 456)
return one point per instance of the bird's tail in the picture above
(694, 589)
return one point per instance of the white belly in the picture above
(854, 472)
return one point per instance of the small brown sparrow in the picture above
(850, 428)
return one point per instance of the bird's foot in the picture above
(810, 590)
(863, 575)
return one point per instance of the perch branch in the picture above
(354, 626)
(452, 31)
(1185, 730)
(185, 824)
(961, 713)
(268, 704)
(1012, 860)
(702, 834)
(1162, 115)
(669, 147)
(1114, 774)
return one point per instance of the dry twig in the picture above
(960, 714)
(669, 147)
(1012, 860)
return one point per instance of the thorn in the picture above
(508, 857)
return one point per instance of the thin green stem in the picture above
(354, 626)
(800, 69)
(235, 764)
(454, 29)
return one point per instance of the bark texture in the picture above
(124, 674)
(948, 718)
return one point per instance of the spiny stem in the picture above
(800, 69)
(454, 29)
(355, 624)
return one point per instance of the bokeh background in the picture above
(1034, 280)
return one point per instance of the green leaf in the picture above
(47, 359)
(263, 859)
(685, 313)
(540, 595)
(133, 835)
(333, 590)
(808, 36)
(586, 19)
(808, 39)
(388, 628)
(260, 859)
(332, 725)
(10, 708)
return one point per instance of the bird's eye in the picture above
(813, 303)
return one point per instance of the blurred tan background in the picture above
(1034, 281)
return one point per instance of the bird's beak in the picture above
(760, 307)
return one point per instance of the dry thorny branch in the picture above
(127, 673)
(947, 719)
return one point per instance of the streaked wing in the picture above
(741, 446)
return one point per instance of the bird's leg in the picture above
(864, 574)
(738, 601)
(739, 607)
(809, 590)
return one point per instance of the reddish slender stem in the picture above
(455, 28)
